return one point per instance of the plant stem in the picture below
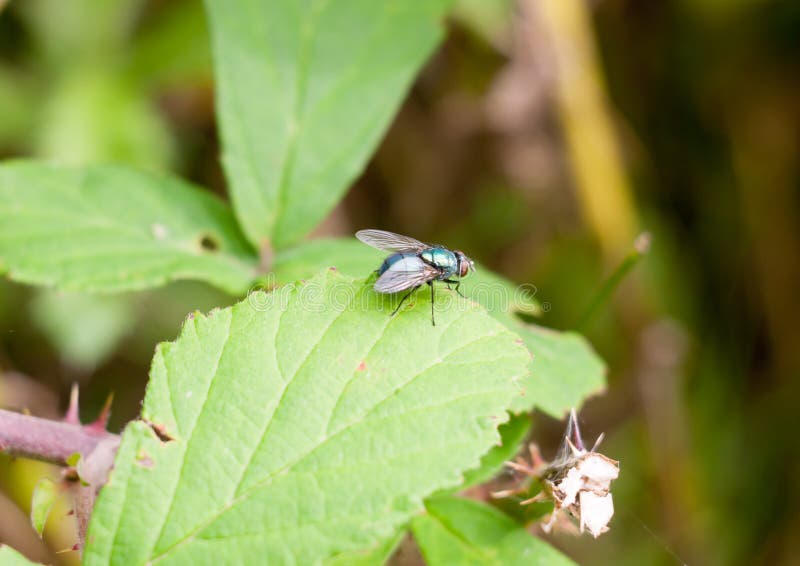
(640, 247)
(46, 440)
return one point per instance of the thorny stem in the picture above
(46, 440)
(55, 441)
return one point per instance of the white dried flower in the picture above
(581, 485)
(578, 481)
(596, 512)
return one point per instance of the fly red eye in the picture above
(463, 263)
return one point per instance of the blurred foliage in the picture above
(85, 329)
(701, 339)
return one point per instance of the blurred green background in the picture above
(542, 138)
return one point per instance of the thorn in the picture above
(521, 467)
(73, 548)
(72, 415)
(536, 456)
(534, 499)
(575, 450)
(574, 430)
(547, 527)
(503, 493)
(598, 441)
(572, 445)
(101, 421)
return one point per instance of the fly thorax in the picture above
(442, 259)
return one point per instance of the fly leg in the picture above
(433, 321)
(403, 300)
(457, 284)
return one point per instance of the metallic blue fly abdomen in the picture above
(408, 262)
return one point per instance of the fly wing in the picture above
(405, 274)
(389, 241)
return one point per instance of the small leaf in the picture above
(304, 423)
(512, 435)
(564, 371)
(305, 91)
(44, 496)
(85, 329)
(179, 28)
(463, 531)
(107, 228)
(10, 557)
(94, 116)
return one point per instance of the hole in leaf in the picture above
(160, 431)
(208, 243)
(144, 460)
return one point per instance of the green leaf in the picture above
(303, 260)
(44, 496)
(496, 293)
(490, 20)
(179, 29)
(87, 32)
(106, 228)
(304, 423)
(512, 435)
(376, 556)
(10, 557)
(85, 329)
(564, 371)
(305, 90)
(92, 116)
(564, 368)
(465, 532)
(18, 107)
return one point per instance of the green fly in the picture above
(414, 263)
